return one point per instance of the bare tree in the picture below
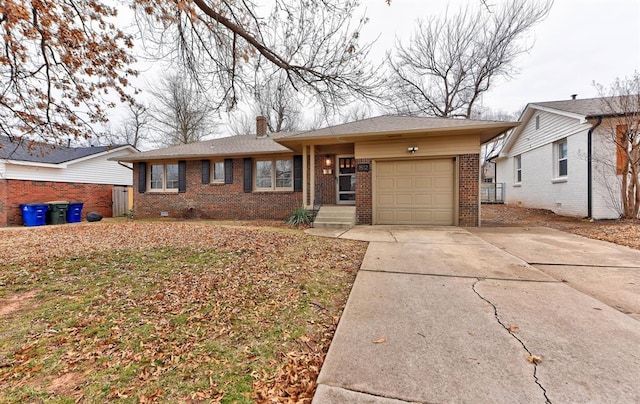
(621, 112)
(226, 44)
(134, 128)
(277, 100)
(182, 113)
(451, 61)
(62, 65)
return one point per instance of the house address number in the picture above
(363, 167)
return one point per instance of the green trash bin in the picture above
(57, 213)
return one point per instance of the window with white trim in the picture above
(517, 160)
(274, 174)
(163, 177)
(217, 172)
(561, 158)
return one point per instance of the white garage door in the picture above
(415, 192)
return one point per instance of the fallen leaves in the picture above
(534, 359)
(172, 311)
(513, 328)
(380, 341)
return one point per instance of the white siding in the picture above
(553, 127)
(97, 170)
(539, 188)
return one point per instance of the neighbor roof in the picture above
(588, 107)
(21, 149)
(226, 146)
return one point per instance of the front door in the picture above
(346, 194)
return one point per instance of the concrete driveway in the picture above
(486, 315)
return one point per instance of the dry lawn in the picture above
(624, 231)
(168, 311)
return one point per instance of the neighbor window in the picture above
(537, 122)
(218, 171)
(561, 154)
(518, 168)
(274, 174)
(163, 177)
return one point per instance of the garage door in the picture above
(415, 192)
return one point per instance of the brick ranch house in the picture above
(40, 172)
(393, 169)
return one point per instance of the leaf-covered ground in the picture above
(624, 231)
(168, 311)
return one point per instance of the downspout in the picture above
(590, 169)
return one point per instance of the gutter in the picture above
(590, 169)
(124, 165)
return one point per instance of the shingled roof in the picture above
(226, 146)
(21, 149)
(288, 142)
(587, 107)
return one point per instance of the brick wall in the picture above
(4, 211)
(468, 206)
(325, 183)
(215, 201)
(364, 209)
(96, 197)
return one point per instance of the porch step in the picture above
(335, 217)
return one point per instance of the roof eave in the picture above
(137, 158)
(486, 132)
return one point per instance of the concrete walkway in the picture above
(486, 315)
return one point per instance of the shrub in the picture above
(299, 217)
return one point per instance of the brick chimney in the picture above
(261, 126)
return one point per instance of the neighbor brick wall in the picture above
(4, 212)
(96, 197)
(469, 176)
(364, 209)
(215, 201)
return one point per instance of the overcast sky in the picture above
(581, 41)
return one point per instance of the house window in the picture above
(518, 168)
(537, 122)
(561, 153)
(163, 177)
(218, 171)
(274, 174)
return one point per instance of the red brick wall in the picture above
(469, 197)
(4, 211)
(215, 201)
(325, 183)
(364, 209)
(96, 197)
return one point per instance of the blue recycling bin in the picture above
(74, 212)
(34, 214)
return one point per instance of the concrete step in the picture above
(335, 217)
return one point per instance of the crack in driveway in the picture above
(503, 325)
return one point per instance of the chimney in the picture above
(573, 96)
(261, 126)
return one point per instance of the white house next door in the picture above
(346, 193)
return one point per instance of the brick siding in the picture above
(215, 201)
(364, 207)
(95, 197)
(468, 207)
(325, 183)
